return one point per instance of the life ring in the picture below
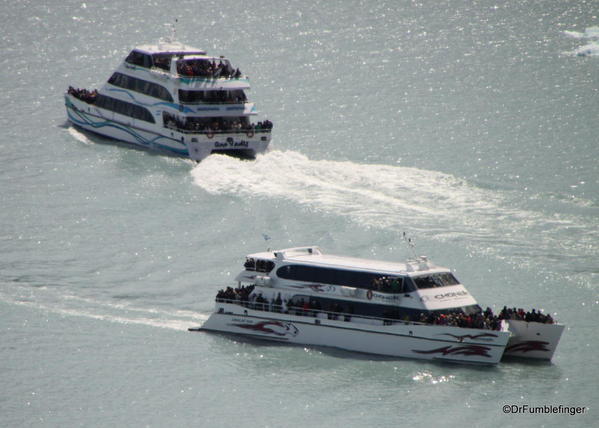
(250, 133)
(209, 134)
(369, 294)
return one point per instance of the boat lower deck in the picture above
(195, 146)
(362, 334)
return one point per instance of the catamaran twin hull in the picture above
(399, 339)
(442, 343)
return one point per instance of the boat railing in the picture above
(316, 313)
(209, 132)
(216, 102)
(200, 78)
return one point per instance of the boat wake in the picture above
(50, 300)
(428, 204)
(591, 35)
(79, 136)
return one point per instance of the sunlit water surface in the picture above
(471, 126)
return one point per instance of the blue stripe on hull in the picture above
(82, 119)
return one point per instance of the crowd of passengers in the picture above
(311, 307)
(486, 319)
(481, 320)
(207, 69)
(308, 307)
(215, 125)
(239, 294)
(530, 316)
(84, 95)
(213, 97)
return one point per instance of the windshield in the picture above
(435, 280)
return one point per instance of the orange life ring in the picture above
(250, 133)
(209, 134)
(369, 294)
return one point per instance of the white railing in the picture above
(314, 313)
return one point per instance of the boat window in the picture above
(139, 85)
(467, 310)
(138, 58)
(236, 96)
(124, 108)
(301, 303)
(162, 61)
(349, 278)
(205, 67)
(389, 284)
(258, 265)
(435, 280)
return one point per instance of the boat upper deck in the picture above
(315, 257)
(186, 64)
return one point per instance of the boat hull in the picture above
(154, 137)
(533, 340)
(407, 340)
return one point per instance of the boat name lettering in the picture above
(380, 296)
(444, 296)
(243, 320)
(241, 143)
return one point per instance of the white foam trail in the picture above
(79, 136)
(435, 205)
(379, 195)
(590, 49)
(123, 313)
(591, 34)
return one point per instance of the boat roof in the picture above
(315, 256)
(170, 47)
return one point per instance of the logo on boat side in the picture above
(478, 350)
(241, 143)
(385, 297)
(529, 345)
(276, 328)
(321, 288)
(445, 296)
(482, 336)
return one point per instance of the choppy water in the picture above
(469, 125)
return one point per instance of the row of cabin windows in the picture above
(344, 277)
(371, 309)
(258, 265)
(124, 108)
(367, 280)
(142, 86)
(221, 96)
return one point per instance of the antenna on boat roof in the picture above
(174, 36)
(266, 238)
(410, 244)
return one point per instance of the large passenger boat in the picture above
(174, 98)
(413, 309)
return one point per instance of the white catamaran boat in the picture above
(173, 98)
(412, 309)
